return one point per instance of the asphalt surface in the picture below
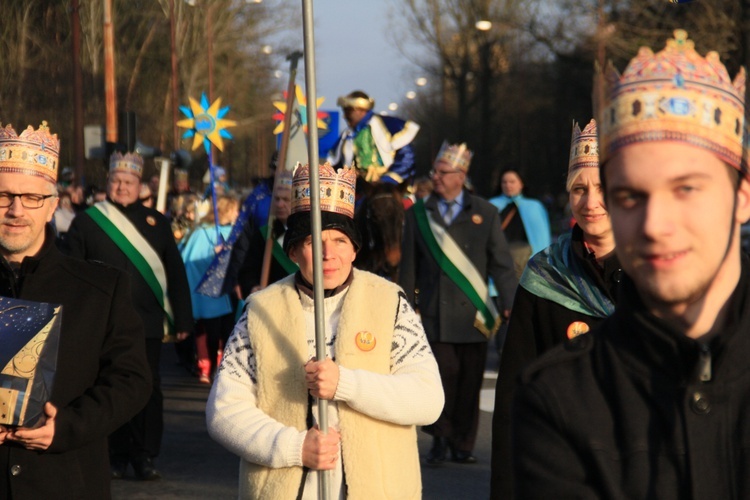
(195, 467)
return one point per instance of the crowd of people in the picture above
(622, 371)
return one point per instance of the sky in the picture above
(352, 52)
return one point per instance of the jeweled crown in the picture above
(456, 155)
(584, 147)
(130, 163)
(336, 189)
(675, 95)
(34, 152)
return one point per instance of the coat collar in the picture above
(645, 341)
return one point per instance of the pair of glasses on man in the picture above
(441, 173)
(28, 200)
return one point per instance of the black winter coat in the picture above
(102, 376)
(447, 313)
(88, 241)
(537, 325)
(637, 410)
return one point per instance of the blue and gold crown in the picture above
(336, 189)
(34, 152)
(584, 147)
(675, 95)
(130, 163)
(456, 155)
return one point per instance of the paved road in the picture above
(194, 467)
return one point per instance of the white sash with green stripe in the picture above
(457, 266)
(136, 248)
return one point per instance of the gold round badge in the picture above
(476, 219)
(365, 341)
(151, 220)
(577, 328)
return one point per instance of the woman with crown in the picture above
(565, 290)
(381, 378)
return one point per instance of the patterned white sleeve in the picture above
(412, 393)
(233, 417)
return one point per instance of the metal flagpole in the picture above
(317, 246)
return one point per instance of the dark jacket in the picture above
(637, 410)
(102, 376)
(88, 241)
(249, 273)
(447, 314)
(536, 325)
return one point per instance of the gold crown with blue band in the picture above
(34, 152)
(584, 147)
(458, 156)
(675, 95)
(130, 163)
(337, 189)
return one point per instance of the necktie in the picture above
(448, 215)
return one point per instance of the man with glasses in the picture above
(101, 376)
(452, 245)
(129, 236)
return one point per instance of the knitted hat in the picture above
(675, 95)
(336, 204)
(34, 152)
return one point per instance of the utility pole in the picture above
(77, 95)
(110, 89)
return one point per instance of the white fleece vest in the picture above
(380, 459)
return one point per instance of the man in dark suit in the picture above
(453, 243)
(123, 233)
(101, 374)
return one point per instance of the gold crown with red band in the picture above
(458, 156)
(130, 163)
(584, 147)
(336, 189)
(34, 152)
(675, 95)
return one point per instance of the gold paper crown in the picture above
(675, 95)
(455, 155)
(336, 189)
(34, 152)
(130, 163)
(584, 147)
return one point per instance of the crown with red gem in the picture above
(584, 147)
(130, 163)
(675, 95)
(34, 152)
(336, 189)
(458, 156)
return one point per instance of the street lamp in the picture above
(421, 81)
(393, 106)
(411, 94)
(483, 25)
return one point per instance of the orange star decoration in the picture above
(206, 124)
(302, 106)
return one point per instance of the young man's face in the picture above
(673, 215)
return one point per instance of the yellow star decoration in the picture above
(206, 124)
(302, 106)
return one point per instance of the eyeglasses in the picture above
(28, 200)
(441, 173)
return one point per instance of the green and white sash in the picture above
(459, 269)
(278, 253)
(136, 248)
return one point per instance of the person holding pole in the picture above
(380, 378)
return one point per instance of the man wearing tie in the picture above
(453, 244)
